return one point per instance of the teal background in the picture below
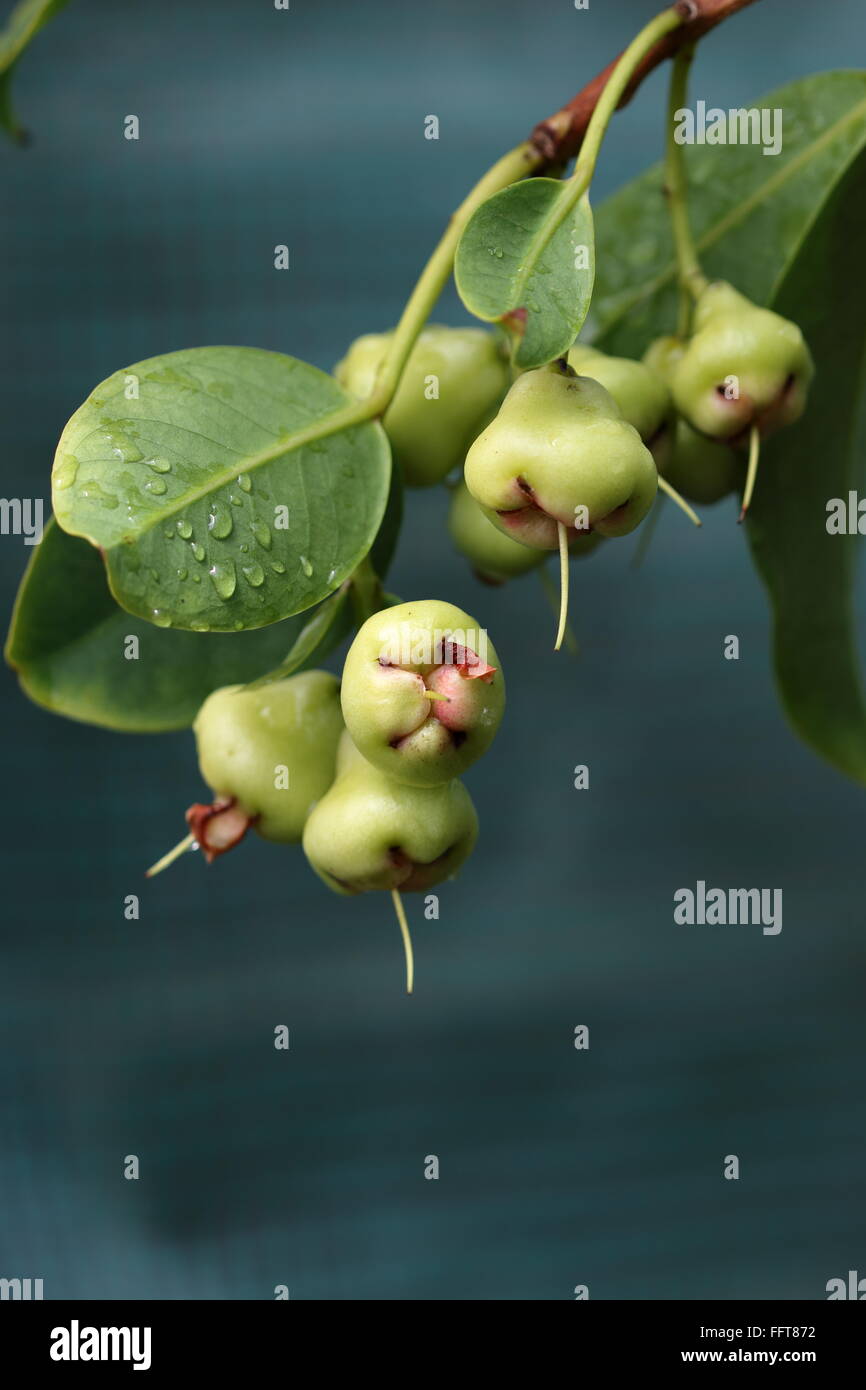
(154, 1037)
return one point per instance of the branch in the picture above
(559, 137)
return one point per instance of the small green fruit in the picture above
(559, 451)
(372, 833)
(743, 366)
(268, 755)
(422, 692)
(494, 556)
(453, 381)
(699, 468)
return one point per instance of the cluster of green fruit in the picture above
(363, 773)
(580, 443)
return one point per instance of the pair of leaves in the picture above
(23, 25)
(787, 231)
(526, 259)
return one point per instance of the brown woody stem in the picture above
(559, 137)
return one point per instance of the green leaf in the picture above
(227, 487)
(68, 640)
(527, 256)
(749, 212)
(809, 573)
(23, 24)
(786, 230)
(329, 624)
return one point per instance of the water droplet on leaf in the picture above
(219, 521)
(254, 575)
(224, 577)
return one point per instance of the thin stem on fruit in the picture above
(551, 593)
(751, 475)
(691, 278)
(187, 843)
(562, 533)
(407, 939)
(680, 501)
(437, 695)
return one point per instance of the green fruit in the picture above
(398, 656)
(245, 736)
(743, 366)
(494, 556)
(370, 832)
(699, 468)
(641, 393)
(559, 451)
(428, 436)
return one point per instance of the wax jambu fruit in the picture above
(701, 469)
(453, 381)
(742, 367)
(560, 452)
(268, 754)
(493, 556)
(372, 833)
(423, 692)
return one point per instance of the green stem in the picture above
(691, 278)
(615, 86)
(507, 170)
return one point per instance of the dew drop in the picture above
(235, 500)
(65, 472)
(245, 482)
(262, 534)
(169, 535)
(198, 550)
(199, 625)
(306, 566)
(159, 465)
(160, 618)
(182, 574)
(184, 529)
(219, 521)
(156, 486)
(254, 575)
(224, 578)
(244, 549)
(196, 579)
(278, 567)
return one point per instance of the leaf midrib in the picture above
(347, 417)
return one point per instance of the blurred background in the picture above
(305, 1168)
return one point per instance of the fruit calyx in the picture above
(218, 827)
